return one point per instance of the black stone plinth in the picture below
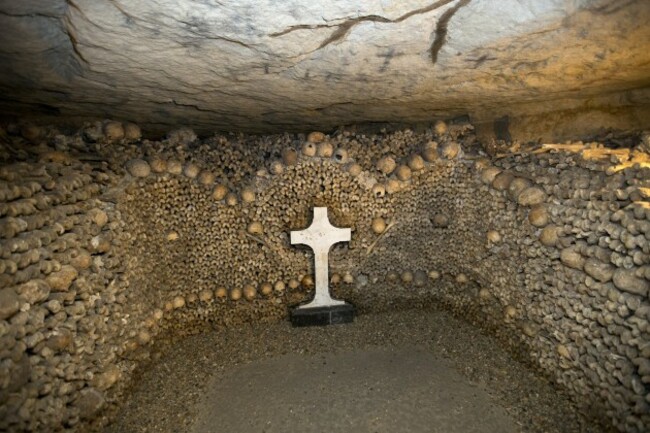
(321, 316)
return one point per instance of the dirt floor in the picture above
(369, 390)
(408, 371)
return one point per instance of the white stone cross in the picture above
(320, 236)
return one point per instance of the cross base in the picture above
(321, 316)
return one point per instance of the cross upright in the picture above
(320, 236)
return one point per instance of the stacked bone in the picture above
(202, 213)
(548, 250)
(61, 294)
(586, 274)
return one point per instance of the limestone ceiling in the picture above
(264, 65)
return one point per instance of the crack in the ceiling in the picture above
(342, 29)
(442, 28)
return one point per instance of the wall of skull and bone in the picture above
(112, 243)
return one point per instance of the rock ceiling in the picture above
(265, 66)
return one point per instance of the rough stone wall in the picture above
(548, 248)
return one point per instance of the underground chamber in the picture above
(483, 168)
(133, 267)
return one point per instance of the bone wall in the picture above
(111, 243)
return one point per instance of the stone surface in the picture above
(194, 398)
(515, 67)
(321, 316)
(359, 391)
(320, 236)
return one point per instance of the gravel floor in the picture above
(374, 390)
(177, 393)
